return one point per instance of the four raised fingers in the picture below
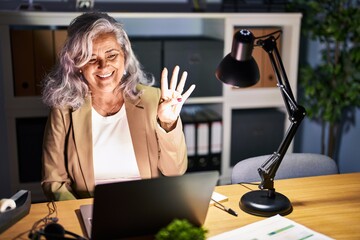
(169, 92)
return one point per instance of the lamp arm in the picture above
(296, 113)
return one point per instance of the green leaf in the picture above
(181, 230)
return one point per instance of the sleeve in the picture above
(173, 153)
(172, 149)
(55, 181)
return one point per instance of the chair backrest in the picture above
(293, 165)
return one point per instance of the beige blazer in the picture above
(68, 171)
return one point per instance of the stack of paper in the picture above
(276, 227)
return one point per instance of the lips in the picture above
(105, 75)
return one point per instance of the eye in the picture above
(112, 56)
(92, 61)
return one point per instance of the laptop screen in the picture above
(143, 207)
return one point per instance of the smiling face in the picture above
(106, 67)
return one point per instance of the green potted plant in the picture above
(331, 88)
(181, 229)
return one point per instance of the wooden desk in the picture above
(326, 204)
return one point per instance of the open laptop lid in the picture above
(143, 207)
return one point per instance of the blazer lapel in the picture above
(136, 117)
(83, 140)
(82, 134)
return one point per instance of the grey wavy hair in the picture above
(65, 86)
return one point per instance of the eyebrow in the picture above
(113, 49)
(110, 50)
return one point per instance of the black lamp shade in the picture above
(239, 68)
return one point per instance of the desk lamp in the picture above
(239, 69)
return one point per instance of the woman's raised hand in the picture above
(172, 97)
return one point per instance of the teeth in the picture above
(105, 75)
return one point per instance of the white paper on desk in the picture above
(276, 227)
(218, 197)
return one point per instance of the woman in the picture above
(106, 124)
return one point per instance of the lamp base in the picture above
(260, 204)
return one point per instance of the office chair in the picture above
(293, 165)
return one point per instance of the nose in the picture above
(102, 63)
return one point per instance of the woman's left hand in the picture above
(172, 98)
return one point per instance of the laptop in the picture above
(130, 209)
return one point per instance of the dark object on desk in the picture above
(8, 218)
(226, 209)
(143, 207)
(54, 231)
(48, 227)
(239, 69)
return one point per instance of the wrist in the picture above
(167, 126)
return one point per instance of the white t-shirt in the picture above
(113, 151)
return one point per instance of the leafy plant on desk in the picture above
(332, 87)
(181, 230)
